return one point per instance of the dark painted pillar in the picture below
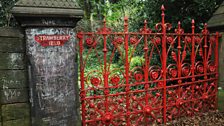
(52, 58)
(53, 80)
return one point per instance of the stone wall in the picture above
(15, 107)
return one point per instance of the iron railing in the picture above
(181, 82)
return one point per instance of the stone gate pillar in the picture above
(51, 52)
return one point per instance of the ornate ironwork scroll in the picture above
(177, 77)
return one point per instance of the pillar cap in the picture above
(47, 9)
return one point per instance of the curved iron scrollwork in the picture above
(176, 74)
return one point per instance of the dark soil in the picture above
(207, 119)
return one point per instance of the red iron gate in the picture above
(177, 77)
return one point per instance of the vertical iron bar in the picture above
(193, 60)
(105, 73)
(205, 61)
(82, 92)
(164, 57)
(205, 57)
(146, 77)
(146, 74)
(127, 71)
(179, 62)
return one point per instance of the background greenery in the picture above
(139, 10)
(136, 10)
(6, 18)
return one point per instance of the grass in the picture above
(221, 100)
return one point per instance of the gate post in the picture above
(164, 60)
(50, 47)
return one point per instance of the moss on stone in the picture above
(15, 111)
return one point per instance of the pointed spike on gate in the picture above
(162, 8)
(179, 24)
(104, 22)
(205, 30)
(192, 21)
(125, 23)
(205, 25)
(163, 14)
(125, 18)
(192, 25)
(145, 23)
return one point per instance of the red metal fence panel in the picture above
(178, 75)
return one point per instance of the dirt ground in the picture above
(207, 119)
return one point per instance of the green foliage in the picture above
(136, 10)
(139, 10)
(137, 61)
(116, 12)
(5, 15)
(113, 11)
(182, 10)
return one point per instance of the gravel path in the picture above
(206, 119)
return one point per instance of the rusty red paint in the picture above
(182, 82)
(52, 40)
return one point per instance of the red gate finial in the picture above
(104, 22)
(162, 8)
(125, 24)
(179, 25)
(145, 25)
(163, 14)
(192, 25)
